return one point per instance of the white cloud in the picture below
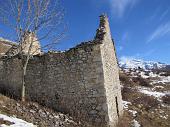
(160, 32)
(119, 7)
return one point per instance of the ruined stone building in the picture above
(83, 81)
(29, 40)
(5, 45)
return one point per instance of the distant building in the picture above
(28, 41)
(5, 45)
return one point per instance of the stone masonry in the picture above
(83, 81)
(29, 41)
(5, 45)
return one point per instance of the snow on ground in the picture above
(125, 104)
(142, 74)
(150, 74)
(136, 123)
(151, 93)
(17, 122)
(133, 112)
(159, 87)
(164, 117)
(163, 80)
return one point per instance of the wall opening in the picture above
(117, 106)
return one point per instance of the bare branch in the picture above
(31, 18)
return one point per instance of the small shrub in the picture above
(165, 74)
(129, 94)
(148, 102)
(123, 78)
(6, 122)
(127, 81)
(166, 99)
(9, 91)
(141, 81)
(124, 120)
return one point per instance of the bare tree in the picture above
(27, 19)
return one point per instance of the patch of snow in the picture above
(133, 112)
(163, 80)
(151, 74)
(136, 123)
(143, 75)
(125, 104)
(157, 87)
(164, 117)
(17, 122)
(151, 93)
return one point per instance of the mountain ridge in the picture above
(132, 63)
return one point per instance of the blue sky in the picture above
(140, 28)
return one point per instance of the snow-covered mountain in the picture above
(131, 63)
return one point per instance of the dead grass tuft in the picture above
(125, 120)
(166, 99)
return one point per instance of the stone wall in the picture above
(29, 40)
(5, 45)
(29, 45)
(83, 81)
(111, 76)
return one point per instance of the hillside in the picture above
(146, 94)
(34, 114)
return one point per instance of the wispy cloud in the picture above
(146, 53)
(118, 7)
(158, 14)
(125, 37)
(154, 15)
(162, 30)
(141, 55)
(164, 14)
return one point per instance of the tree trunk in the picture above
(23, 77)
(23, 84)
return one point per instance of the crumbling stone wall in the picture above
(29, 39)
(29, 45)
(83, 81)
(5, 45)
(111, 75)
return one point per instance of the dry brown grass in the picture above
(166, 99)
(147, 102)
(5, 122)
(141, 81)
(125, 120)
